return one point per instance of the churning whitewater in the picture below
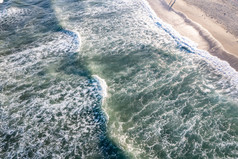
(109, 79)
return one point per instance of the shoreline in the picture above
(203, 30)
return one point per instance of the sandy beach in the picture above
(211, 24)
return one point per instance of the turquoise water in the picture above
(108, 79)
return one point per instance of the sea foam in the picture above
(103, 85)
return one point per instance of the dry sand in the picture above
(208, 29)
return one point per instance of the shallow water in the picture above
(108, 79)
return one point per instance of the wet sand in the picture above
(207, 28)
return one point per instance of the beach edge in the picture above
(194, 31)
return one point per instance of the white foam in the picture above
(103, 85)
(75, 39)
(103, 92)
(1, 1)
(79, 40)
(14, 12)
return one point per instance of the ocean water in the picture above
(109, 79)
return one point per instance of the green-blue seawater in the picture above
(108, 79)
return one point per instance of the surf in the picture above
(110, 80)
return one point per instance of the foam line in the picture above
(103, 91)
(76, 37)
(103, 85)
